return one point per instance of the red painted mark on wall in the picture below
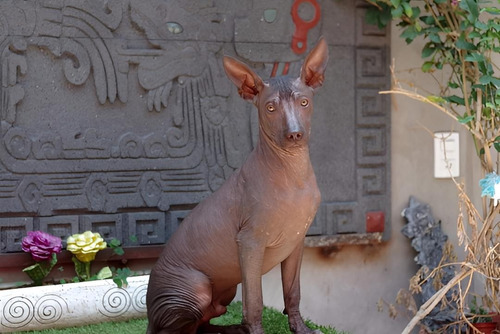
(302, 27)
(375, 221)
(277, 66)
(299, 38)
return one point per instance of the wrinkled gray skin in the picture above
(257, 219)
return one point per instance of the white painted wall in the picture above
(343, 290)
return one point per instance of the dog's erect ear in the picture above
(248, 82)
(312, 72)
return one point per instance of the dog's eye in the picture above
(270, 108)
(304, 102)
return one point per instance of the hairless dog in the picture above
(255, 220)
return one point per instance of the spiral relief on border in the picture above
(17, 312)
(115, 302)
(139, 298)
(49, 309)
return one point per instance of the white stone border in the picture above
(72, 304)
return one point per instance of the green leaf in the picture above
(407, 9)
(434, 37)
(82, 269)
(36, 272)
(104, 273)
(53, 261)
(474, 34)
(428, 50)
(118, 282)
(492, 10)
(487, 79)
(121, 276)
(474, 57)
(418, 27)
(384, 18)
(427, 66)
(416, 12)
(479, 86)
(480, 25)
(496, 144)
(471, 7)
(409, 34)
(114, 243)
(462, 44)
(429, 20)
(436, 99)
(466, 119)
(396, 3)
(455, 99)
(372, 15)
(397, 12)
(118, 251)
(453, 85)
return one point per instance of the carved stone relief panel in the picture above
(117, 116)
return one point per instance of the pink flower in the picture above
(41, 245)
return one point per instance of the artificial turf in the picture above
(274, 322)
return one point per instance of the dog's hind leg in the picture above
(179, 305)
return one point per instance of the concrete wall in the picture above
(343, 290)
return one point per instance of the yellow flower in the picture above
(85, 245)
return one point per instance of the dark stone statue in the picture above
(428, 239)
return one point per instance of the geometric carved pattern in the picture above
(108, 226)
(174, 219)
(372, 126)
(344, 221)
(147, 227)
(372, 181)
(132, 229)
(370, 107)
(372, 144)
(12, 230)
(342, 217)
(119, 115)
(371, 65)
(60, 226)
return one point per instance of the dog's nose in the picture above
(294, 136)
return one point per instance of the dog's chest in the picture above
(283, 221)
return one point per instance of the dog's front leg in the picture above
(290, 279)
(251, 254)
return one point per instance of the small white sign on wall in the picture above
(446, 155)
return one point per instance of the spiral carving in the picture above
(131, 146)
(115, 302)
(17, 312)
(139, 298)
(49, 309)
(17, 143)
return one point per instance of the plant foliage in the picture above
(461, 44)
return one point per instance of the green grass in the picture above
(137, 326)
(274, 323)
